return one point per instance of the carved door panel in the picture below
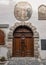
(23, 47)
(29, 47)
(17, 47)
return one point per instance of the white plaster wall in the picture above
(7, 17)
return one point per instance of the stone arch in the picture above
(36, 37)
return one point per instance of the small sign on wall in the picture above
(43, 44)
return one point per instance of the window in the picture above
(43, 44)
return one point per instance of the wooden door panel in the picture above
(26, 51)
(17, 47)
(17, 43)
(29, 47)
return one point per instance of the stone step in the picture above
(24, 61)
(2, 63)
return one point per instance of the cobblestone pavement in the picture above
(25, 61)
(44, 62)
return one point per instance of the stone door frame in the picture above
(36, 37)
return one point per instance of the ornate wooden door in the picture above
(23, 43)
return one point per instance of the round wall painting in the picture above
(22, 11)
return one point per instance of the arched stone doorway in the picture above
(23, 42)
(35, 36)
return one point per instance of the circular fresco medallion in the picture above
(22, 11)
